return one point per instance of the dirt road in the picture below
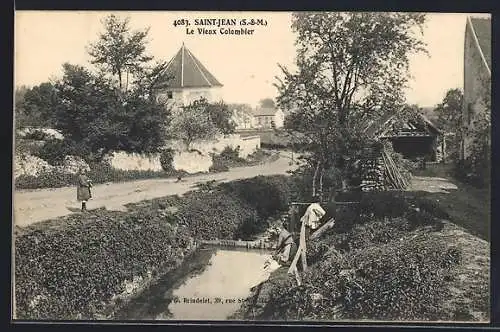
(37, 205)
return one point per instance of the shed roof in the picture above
(375, 127)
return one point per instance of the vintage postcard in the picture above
(267, 166)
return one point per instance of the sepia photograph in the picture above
(234, 166)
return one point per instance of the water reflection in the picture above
(209, 286)
(219, 291)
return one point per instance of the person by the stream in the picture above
(83, 193)
(312, 216)
(285, 247)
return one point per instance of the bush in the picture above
(269, 195)
(54, 178)
(99, 173)
(218, 165)
(231, 154)
(217, 215)
(54, 151)
(229, 157)
(167, 159)
(401, 280)
(37, 135)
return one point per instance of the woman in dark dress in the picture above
(83, 193)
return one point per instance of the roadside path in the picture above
(31, 206)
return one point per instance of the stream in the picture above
(210, 285)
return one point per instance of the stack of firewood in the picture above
(380, 172)
(394, 177)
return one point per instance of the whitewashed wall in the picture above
(135, 161)
(191, 162)
(248, 145)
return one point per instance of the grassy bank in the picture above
(391, 259)
(467, 205)
(87, 266)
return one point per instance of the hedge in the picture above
(73, 272)
(99, 173)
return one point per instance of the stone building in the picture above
(477, 79)
(269, 117)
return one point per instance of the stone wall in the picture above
(135, 161)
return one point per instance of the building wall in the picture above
(243, 120)
(264, 121)
(279, 119)
(475, 76)
(185, 96)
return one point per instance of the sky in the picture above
(246, 65)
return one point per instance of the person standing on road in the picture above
(83, 193)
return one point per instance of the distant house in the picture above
(477, 77)
(413, 139)
(269, 117)
(243, 118)
(190, 80)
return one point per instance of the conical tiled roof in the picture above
(188, 72)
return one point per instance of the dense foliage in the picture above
(97, 112)
(74, 271)
(201, 120)
(35, 106)
(341, 83)
(268, 195)
(167, 159)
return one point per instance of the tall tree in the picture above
(19, 111)
(38, 104)
(119, 50)
(93, 116)
(449, 111)
(350, 66)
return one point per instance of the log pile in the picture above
(373, 177)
